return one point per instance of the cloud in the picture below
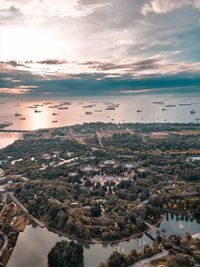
(158, 65)
(9, 13)
(12, 63)
(20, 90)
(61, 43)
(132, 66)
(162, 7)
(52, 62)
(151, 74)
(48, 8)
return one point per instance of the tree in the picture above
(65, 254)
(182, 260)
(53, 211)
(95, 211)
(116, 260)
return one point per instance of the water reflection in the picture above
(34, 244)
(178, 224)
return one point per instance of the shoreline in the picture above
(51, 229)
(43, 224)
(98, 241)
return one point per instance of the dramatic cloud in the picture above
(59, 8)
(140, 65)
(161, 7)
(68, 44)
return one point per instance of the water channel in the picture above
(34, 243)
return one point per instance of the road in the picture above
(99, 139)
(1, 172)
(65, 161)
(5, 236)
(146, 262)
(5, 243)
(197, 235)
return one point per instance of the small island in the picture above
(5, 124)
(66, 254)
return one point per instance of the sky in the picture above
(98, 46)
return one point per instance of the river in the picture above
(34, 244)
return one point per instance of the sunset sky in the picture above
(80, 46)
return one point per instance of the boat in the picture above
(54, 114)
(110, 108)
(23, 119)
(38, 105)
(110, 104)
(66, 103)
(98, 110)
(185, 104)
(17, 114)
(139, 111)
(158, 103)
(54, 121)
(89, 106)
(192, 111)
(37, 111)
(170, 106)
(88, 113)
(113, 106)
(62, 107)
(55, 106)
(163, 109)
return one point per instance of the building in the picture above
(109, 166)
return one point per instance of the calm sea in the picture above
(131, 108)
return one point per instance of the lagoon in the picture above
(34, 243)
